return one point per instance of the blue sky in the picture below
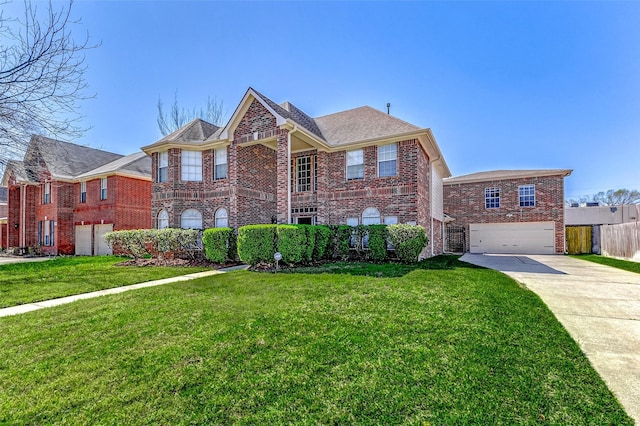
(502, 85)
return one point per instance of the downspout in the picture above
(23, 215)
(289, 176)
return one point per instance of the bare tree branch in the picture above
(177, 117)
(42, 71)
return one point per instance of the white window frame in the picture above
(221, 218)
(355, 164)
(191, 166)
(387, 156)
(304, 176)
(371, 216)
(163, 219)
(492, 198)
(220, 163)
(46, 196)
(83, 191)
(103, 189)
(191, 219)
(163, 166)
(527, 195)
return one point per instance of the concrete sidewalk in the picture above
(28, 307)
(598, 305)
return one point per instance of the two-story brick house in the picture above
(509, 211)
(273, 163)
(63, 197)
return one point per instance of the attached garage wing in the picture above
(513, 238)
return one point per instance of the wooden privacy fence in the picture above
(622, 240)
(578, 239)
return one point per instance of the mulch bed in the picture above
(204, 263)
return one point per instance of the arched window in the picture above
(371, 216)
(191, 219)
(163, 219)
(222, 218)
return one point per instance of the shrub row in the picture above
(139, 243)
(307, 243)
(258, 243)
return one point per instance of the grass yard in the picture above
(458, 345)
(64, 276)
(627, 265)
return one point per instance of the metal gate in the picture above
(455, 239)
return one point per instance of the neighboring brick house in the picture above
(274, 164)
(63, 197)
(3, 218)
(508, 211)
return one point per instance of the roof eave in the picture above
(542, 173)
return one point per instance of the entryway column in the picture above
(283, 193)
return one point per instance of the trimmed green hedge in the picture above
(291, 243)
(219, 244)
(306, 243)
(408, 240)
(257, 243)
(139, 243)
(377, 242)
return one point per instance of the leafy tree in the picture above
(176, 117)
(42, 69)
(612, 197)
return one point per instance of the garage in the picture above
(513, 238)
(83, 240)
(100, 246)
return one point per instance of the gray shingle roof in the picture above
(361, 124)
(196, 130)
(138, 164)
(290, 111)
(63, 159)
(495, 175)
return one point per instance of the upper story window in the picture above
(303, 173)
(527, 195)
(163, 166)
(46, 196)
(83, 191)
(191, 219)
(220, 163)
(387, 160)
(103, 188)
(355, 164)
(492, 198)
(192, 166)
(163, 219)
(221, 218)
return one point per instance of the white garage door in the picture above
(100, 246)
(516, 238)
(83, 240)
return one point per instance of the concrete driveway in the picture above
(598, 305)
(4, 260)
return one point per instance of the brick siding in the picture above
(465, 202)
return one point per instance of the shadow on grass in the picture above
(387, 270)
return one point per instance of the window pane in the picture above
(387, 158)
(191, 219)
(352, 221)
(103, 188)
(371, 216)
(192, 166)
(303, 174)
(163, 219)
(220, 163)
(492, 198)
(163, 166)
(527, 195)
(222, 218)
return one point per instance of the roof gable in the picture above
(137, 164)
(196, 130)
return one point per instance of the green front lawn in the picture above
(36, 281)
(627, 265)
(460, 345)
